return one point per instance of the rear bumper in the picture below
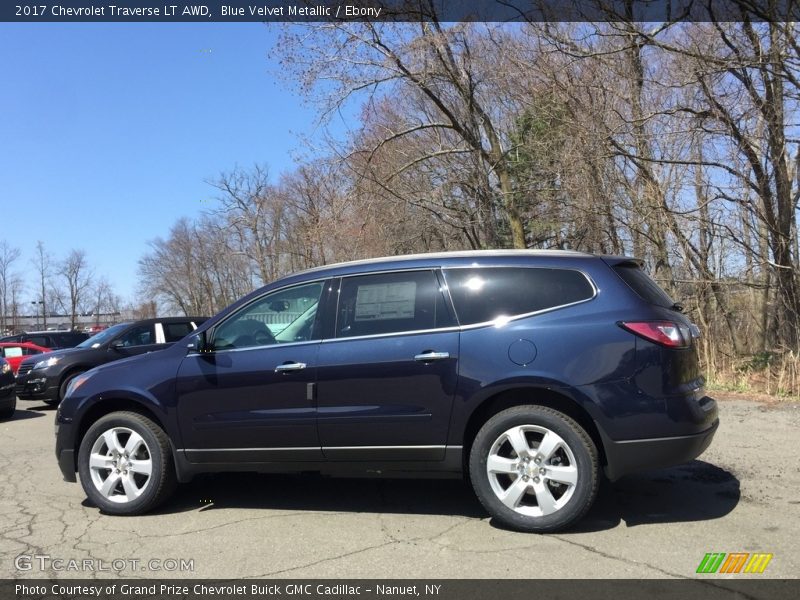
(629, 456)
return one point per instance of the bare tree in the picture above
(8, 255)
(445, 84)
(43, 264)
(77, 276)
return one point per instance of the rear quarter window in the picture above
(481, 295)
(641, 283)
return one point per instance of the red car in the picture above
(16, 352)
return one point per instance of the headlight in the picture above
(76, 383)
(5, 368)
(43, 364)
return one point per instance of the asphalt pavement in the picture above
(740, 496)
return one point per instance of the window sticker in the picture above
(383, 301)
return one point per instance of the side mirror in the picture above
(117, 345)
(199, 343)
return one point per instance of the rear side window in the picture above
(640, 282)
(391, 303)
(40, 340)
(176, 331)
(482, 295)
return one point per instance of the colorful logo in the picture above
(736, 562)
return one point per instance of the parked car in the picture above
(55, 340)
(16, 352)
(8, 401)
(529, 371)
(46, 378)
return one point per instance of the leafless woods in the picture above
(676, 143)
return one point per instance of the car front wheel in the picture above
(534, 469)
(125, 464)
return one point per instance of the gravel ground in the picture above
(740, 496)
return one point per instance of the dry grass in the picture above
(771, 373)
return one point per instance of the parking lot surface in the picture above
(740, 496)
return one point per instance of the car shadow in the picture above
(317, 493)
(43, 407)
(697, 491)
(22, 414)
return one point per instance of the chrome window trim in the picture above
(516, 317)
(451, 328)
(225, 350)
(393, 334)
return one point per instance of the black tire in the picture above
(156, 488)
(575, 499)
(8, 412)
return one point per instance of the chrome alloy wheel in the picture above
(120, 464)
(532, 470)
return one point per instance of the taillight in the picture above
(666, 333)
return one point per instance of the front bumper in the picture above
(33, 386)
(65, 450)
(629, 456)
(66, 462)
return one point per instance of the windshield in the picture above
(104, 336)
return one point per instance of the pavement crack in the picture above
(323, 560)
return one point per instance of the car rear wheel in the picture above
(125, 464)
(534, 469)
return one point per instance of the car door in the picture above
(386, 379)
(250, 398)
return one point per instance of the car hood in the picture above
(32, 360)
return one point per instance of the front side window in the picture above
(391, 303)
(281, 317)
(483, 295)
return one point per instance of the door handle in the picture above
(291, 366)
(429, 356)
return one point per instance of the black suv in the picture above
(529, 371)
(55, 340)
(45, 377)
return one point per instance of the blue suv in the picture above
(529, 372)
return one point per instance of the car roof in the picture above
(438, 256)
(447, 259)
(53, 332)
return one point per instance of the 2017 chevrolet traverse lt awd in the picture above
(530, 372)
